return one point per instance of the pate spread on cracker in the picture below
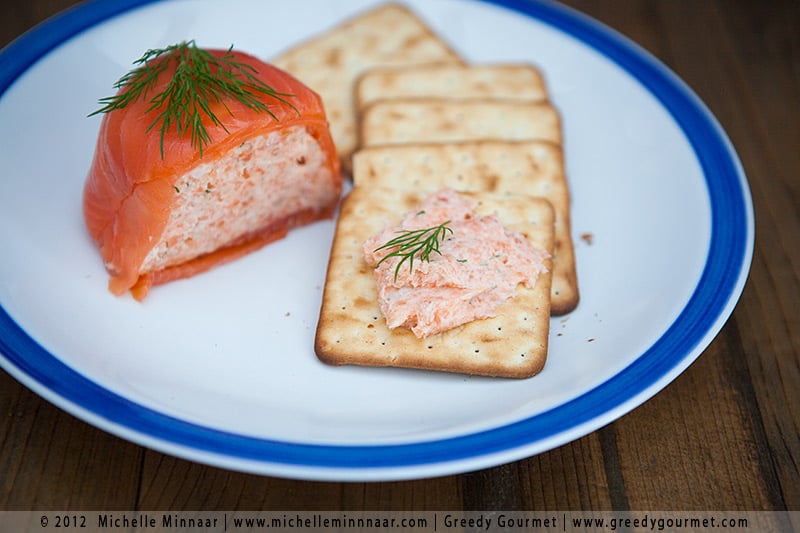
(444, 265)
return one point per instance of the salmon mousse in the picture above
(204, 156)
(444, 265)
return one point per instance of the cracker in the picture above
(351, 330)
(441, 120)
(388, 35)
(499, 167)
(459, 82)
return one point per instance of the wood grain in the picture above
(723, 435)
(50, 460)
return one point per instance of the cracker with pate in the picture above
(351, 330)
(504, 168)
(330, 62)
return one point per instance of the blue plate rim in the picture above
(720, 285)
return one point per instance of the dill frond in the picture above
(420, 243)
(184, 104)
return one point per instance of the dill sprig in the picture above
(410, 243)
(200, 78)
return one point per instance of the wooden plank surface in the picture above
(724, 435)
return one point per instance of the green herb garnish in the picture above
(419, 242)
(200, 78)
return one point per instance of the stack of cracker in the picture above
(408, 125)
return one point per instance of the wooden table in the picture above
(724, 436)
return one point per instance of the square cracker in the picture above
(502, 81)
(436, 120)
(499, 167)
(352, 331)
(330, 62)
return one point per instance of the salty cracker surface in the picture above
(435, 120)
(499, 167)
(476, 81)
(330, 62)
(351, 330)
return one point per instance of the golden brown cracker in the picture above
(351, 330)
(388, 35)
(440, 120)
(489, 81)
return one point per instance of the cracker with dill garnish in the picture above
(534, 168)
(351, 330)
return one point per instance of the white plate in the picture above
(220, 368)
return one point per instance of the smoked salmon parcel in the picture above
(202, 157)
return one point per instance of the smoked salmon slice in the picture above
(160, 215)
